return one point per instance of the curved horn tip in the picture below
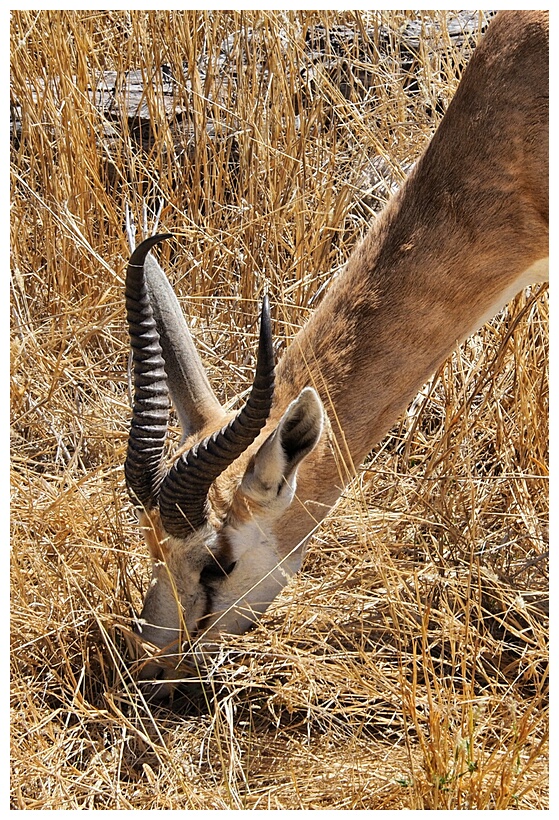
(265, 312)
(138, 256)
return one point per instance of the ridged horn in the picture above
(143, 467)
(183, 494)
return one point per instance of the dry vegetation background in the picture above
(406, 666)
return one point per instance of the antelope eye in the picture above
(215, 571)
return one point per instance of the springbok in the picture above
(227, 523)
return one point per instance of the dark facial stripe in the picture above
(214, 573)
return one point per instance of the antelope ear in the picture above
(274, 466)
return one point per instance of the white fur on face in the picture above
(254, 583)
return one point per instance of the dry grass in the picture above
(406, 666)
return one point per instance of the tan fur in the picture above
(470, 218)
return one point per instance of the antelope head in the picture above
(210, 519)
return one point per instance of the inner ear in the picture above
(293, 439)
(300, 428)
